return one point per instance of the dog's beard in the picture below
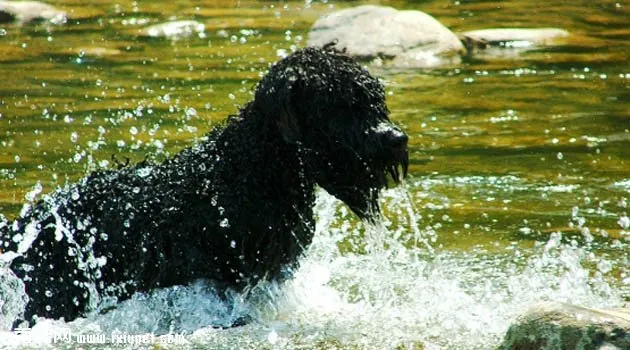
(362, 198)
(359, 189)
(398, 170)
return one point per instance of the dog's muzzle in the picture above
(397, 155)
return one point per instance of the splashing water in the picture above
(373, 287)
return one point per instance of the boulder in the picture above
(411, 38)
(174, 30)
(565, 326)
(30, 11)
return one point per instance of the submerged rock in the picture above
(30, 11)
(565, 326)
(174, 30)
(514, 38)
(412, 38)
(502, 35)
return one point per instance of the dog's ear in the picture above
(276, 98)
(287, 118)
(287, 125)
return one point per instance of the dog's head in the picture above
(334, 111)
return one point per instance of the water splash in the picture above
(397, 297)
(390, 289)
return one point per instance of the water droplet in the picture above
(222, 33)
(232, 244)
(604, 266)
(144, 172)
(32, 194)
(225, 223)
(190, 112)
(273, 337)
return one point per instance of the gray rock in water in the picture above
(412, 38)
(516, 36)
(30, 11)
(174, 30)
(510, 43)
(562, 326)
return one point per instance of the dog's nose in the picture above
(396, 139)
(396, 153)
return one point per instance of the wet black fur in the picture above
(235, 208)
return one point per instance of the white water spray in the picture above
(377, 287)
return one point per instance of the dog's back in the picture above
(146, 226)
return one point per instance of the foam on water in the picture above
(368, 287)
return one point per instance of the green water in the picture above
(503, 151)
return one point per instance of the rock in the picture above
(413, 38)
(564, 326)
(510, 43)
(517, 38)
(174, 30)
(530, 35)
(30, 11)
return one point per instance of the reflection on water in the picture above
(519, 185)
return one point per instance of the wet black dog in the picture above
(236, 208)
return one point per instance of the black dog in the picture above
(236, 208)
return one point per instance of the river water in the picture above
(518, 189)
